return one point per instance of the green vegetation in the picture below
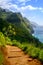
(16, 30)
(1, 58)
(28, 48)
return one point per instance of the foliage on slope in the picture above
(18, 33)
(16, 18)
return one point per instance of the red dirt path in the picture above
(15, 56)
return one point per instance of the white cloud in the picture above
(6, 4)
(4, 1)
(29, 7)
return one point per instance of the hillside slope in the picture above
(15, 26)
(15, 18)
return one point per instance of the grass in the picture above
(1, 58)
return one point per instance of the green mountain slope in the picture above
(16, 19)
(15, 26)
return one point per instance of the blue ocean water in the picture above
(38, 33)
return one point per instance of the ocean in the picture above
(38, 33)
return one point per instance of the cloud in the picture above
(7, 4)
(30, 7)
(22, 2)
(4, 3)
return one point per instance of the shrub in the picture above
(41, 55)
(35, 52)
(16, 43)
(8, 41)
(2, 39)
(1, 58)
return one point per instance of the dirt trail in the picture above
(15, 56)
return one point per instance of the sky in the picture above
(31, 9)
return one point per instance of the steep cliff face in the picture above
(16, 18)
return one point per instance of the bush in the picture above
(2, 39)
(8, 41)
(41, 55)
(16, 43)
(35, 52)
(1, 58)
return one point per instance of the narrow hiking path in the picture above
(15, 56)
